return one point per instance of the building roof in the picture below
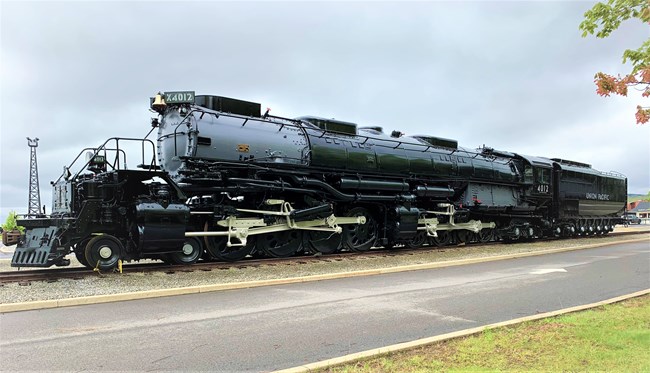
(641, 206)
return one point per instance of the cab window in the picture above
(543, 176)
(528, 174)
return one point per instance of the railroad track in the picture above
(54, 274)
(25, 277)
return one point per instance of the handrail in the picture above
(203, 112)
(116, 161)
(613, 173)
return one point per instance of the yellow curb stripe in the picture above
(443, 337)
(95, 299)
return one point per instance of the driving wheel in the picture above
(443, 239)
(217, 247)
(323, 242)
(280, 244)
(418, 240)
(360, 237)
(485, 235)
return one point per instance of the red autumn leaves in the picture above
(608, 84)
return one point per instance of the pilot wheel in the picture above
(103, 252)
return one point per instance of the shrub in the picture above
(11, 224)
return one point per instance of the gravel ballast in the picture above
(115, 283)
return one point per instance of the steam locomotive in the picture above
(224, 181)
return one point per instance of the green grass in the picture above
(612, 338)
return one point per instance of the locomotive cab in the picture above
(537, 177)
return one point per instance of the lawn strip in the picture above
(613, 337)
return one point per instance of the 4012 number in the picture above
(542, 188)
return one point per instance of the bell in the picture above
(159, 104)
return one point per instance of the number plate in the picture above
(180, 97)
(542, 188)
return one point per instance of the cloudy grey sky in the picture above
(512, 75)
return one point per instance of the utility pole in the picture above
(34, 192)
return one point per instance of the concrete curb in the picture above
(95, 299)
(443, 337)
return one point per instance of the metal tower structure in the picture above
(34, 191)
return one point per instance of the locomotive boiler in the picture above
(228, 181)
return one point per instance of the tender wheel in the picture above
(280, 244)
(582, 228)
(80, 253)
(190, 252)
(607, 227)
(103, 252)
(572, 230)
(360, 237)
(218, 249)
(323, 242)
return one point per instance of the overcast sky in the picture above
(515, 76)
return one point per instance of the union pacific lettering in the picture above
(597, 196)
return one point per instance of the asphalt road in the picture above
(277, 327)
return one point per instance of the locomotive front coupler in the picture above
(41, 245)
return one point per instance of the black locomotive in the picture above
(223, 181)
